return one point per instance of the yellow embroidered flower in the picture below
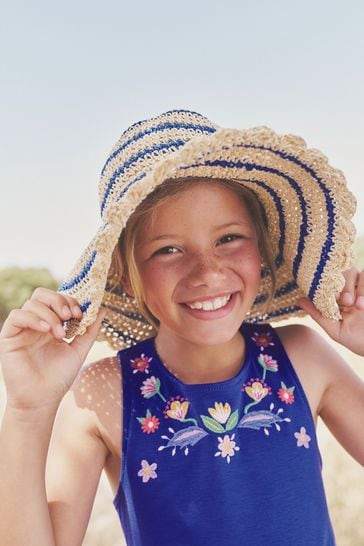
(257, 391)
(220, 413)
(178, 410)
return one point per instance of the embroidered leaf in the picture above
(233, 420)
(211, 424)
(187, 437)
(140, 419)
(259, 419)
(148, 413)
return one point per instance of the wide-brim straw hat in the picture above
(306, 206)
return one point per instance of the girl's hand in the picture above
(349, 331)
(38, 366)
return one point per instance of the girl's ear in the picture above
(126, 285)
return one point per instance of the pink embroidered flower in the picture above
(150, 424)
(268, 364)
(147, 471)
(286, 394)
(140, 364)
(303, 438)
(151, 387)
(263, 340)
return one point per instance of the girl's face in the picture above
(199, 264)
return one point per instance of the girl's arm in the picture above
(335, 392)
(38, 368)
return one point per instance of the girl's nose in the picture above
(205, 268)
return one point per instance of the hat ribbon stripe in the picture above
(330, 213)
(127, 338)
(158, 129)
(133, 159)
(82, 274)
(162, 116)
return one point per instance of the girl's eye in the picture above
(229, 238)
(166, 250)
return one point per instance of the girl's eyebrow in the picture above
(228, 225)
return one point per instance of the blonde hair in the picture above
(123, 269)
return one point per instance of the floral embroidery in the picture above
(178, 409)
(257, 390)
(151, 387)
(147, 471)
(221, 414)
(227, 447)
(268, 364)
(183, 438)
(263, 419)
(303, 438)
(285, 394)
(149, 423)
(140, 364)
(262, 340)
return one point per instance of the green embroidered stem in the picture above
(191, 420)
(161, 395)
(264, 372)
(247, 408)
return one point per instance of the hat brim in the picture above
(306, 203)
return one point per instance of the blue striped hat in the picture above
(305, 201)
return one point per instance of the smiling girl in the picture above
(205, 419)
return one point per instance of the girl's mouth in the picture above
(211, 304)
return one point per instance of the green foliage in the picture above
(17, 285)
(359, 252)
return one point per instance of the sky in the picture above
(76, 74)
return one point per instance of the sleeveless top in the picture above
(232, 463)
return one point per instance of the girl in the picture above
(208, 235)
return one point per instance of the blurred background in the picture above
(76, 74)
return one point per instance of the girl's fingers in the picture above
(20, 319)
(47, 316)
(82, 344)
(66, 307)
(347, 296)
(359, 302)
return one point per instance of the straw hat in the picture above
(306, 203)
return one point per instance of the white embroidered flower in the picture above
(147, 471)
(303, 438)
(227, 447)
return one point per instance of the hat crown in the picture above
(142, 145)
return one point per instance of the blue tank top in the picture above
(232, 463)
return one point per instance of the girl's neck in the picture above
(197, 364)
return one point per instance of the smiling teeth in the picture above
(210, 305)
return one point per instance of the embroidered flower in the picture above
(227, 447)
(149, 423)
(151, 387)
(286, 394)
(140, 364)
(263, 340)
(220, 413)
(303, 438)
(147, 471)
(177, 408)
(257, 389)
(268, 364)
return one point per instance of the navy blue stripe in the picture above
(161, 116)
(133, 159)
(83, 273)
(127, 314)
(131, 183)
(157, 129)
(330, 212)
